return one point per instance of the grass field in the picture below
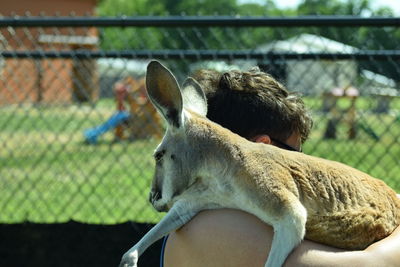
(48, 174)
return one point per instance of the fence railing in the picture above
(74, 147)
(199, 21)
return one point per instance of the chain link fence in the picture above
(77, 131)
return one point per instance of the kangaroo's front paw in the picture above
(129, 259)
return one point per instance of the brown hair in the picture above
(252, 103)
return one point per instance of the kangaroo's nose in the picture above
(154, 196)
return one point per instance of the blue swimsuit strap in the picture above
(163, 250)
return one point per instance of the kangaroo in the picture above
(201, 165)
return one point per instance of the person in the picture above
(254, 105)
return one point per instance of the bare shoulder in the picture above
(227, 237)
(223, 237)
(225, 225)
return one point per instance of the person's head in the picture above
(256, 106)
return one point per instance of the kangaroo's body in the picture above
(201, 165)
(345, 207)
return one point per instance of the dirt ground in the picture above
(72, 244)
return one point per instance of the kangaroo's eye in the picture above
(173, 156)
(158, 155)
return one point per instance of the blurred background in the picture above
(77, 131)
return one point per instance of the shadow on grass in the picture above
(72, 244)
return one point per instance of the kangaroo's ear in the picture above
(194, 97)
(164, 93)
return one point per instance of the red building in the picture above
(47, 80)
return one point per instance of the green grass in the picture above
(47, 173)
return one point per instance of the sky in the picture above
(394, 4)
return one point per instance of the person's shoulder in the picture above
(214, 236)
(220, 219)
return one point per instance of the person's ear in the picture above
(265, 139)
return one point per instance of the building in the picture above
(313, 76)
(39, 80)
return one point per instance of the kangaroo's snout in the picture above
(154, 195)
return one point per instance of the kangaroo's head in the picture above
(174, 170)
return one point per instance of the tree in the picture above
(242, 38)
(364, 38)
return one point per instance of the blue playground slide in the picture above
(92, 134)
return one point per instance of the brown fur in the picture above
(346, 208)
(144, 122)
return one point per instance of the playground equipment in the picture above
(144, 121)
(348, 116)
(138, 120)
(91, 135)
